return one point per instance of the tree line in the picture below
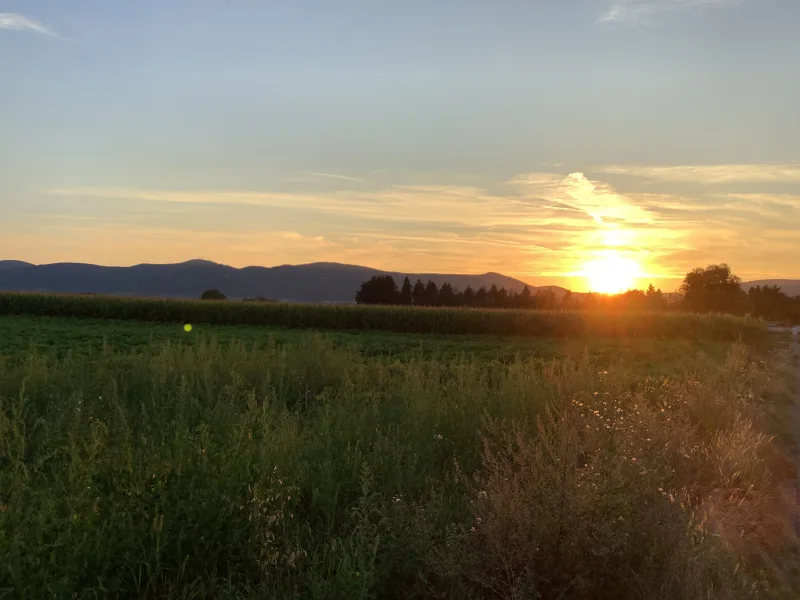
(382, 289)
(713, 289)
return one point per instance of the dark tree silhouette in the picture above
(213, 294)
(502, 300)
(418, 293)
(380, 289)
(467, 297)
(406, 292)
(482, 297)
(491, 297)
(447, 296)
(713, 289)
(655, 299)
(770, 303)
(525, 298)
(431, 296)
(546, 299)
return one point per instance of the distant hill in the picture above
(13, 264)
(315, 282)
(790, 287)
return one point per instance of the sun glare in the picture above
(611, 274)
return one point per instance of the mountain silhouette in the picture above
(314, 282)
(790, 287)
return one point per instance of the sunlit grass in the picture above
(307, 470)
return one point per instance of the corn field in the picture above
(528, 323)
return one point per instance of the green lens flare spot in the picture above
(187, 328)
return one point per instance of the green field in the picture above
(440, 321)
(21, 335)
(141, 461)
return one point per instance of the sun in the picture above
(612, 273)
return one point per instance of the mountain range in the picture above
(315, 282)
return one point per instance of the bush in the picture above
(213, 294)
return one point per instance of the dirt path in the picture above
(796, 420)
(795, 416)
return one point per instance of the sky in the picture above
(459, 136)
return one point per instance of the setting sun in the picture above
(611, 274)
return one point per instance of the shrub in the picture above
(212, 294)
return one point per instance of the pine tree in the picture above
(418, 293)
(431, 296)
(406, 292)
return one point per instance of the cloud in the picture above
(710, 174)
(633, 11)
(597, 199)
(540, 224)
(18, 22)
(332, 176)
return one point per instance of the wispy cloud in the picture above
(712, 174)
(632, 11)
(19, 22)
(543, 224)
(332, 176)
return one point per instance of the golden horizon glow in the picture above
(612, 273)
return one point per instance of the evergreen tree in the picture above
(431, 296)
(502, 298)
(491, 297)
(406, 292)
(467, 296)
(482, 297)
(418, 293)
(446, 295)
(525, 300)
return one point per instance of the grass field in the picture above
(21, 335)
(141, 461)
(440, 321)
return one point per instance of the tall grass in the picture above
(307, 471)
(391, 318)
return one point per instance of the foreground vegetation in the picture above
(308, 470)
(528, 323)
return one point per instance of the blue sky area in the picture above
(526, 137)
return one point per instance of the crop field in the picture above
(140, 460)
(444, 321)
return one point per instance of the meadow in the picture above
(138, 460)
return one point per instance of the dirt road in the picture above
(795, 417)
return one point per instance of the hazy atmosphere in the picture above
(400, 300)
(529, 138)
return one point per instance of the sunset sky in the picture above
(527, 137)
